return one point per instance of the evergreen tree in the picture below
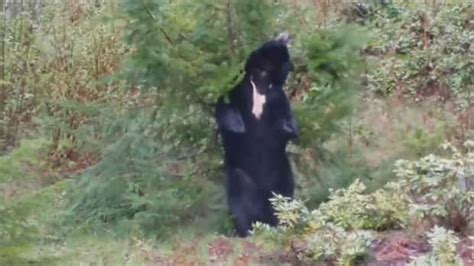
(162, 166)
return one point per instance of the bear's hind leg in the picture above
(244, 201)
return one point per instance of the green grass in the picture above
(12, 165)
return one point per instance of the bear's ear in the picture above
(283, 38)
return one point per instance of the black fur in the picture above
(255, 157)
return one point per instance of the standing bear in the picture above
(256, 125)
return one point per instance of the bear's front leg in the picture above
(229, 119)
(289, 127)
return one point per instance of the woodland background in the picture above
(109, 153)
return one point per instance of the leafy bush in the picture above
(56, 63)
(311, 235)
(433, 187)
(333, 232)
(443, 243)
(425, 51)
(351, 209)
(440, 189)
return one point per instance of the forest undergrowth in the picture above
(109, 153)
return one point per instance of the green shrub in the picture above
(425, 51)
(443, 243)
(16, 234)
(440, 189)
(352, 209)
(325, 84)
(332, 68)
(141, 180)
(55, 65)
(312, 236)
(333, 232)
(20, 214)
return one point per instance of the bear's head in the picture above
(271, 62)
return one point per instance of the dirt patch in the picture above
(464, 251)
(220, 250)
(397, 249)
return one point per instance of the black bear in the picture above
(256, 125)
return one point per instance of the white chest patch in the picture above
(258, 101)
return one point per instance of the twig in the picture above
(150, 14)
